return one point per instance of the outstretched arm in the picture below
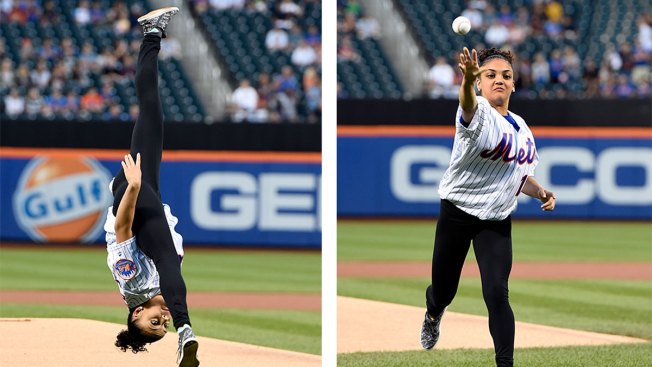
(534, 189)
(470, 71)
(124, 217)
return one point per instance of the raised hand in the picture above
(132, 169)
(469, 65)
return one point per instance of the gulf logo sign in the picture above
(62, 199)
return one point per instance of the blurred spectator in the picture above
(644, 24)
(14, 103)
(554, 11)
(441, 78)
(56, 101)
(572, 64)
(134, 111)
(608, 87)
(40, 76)
(34, 102)
(517, 34)
(353, 7)
(6, 74)
(82, 13)
(265, 90)
(540, 70)
(522, 75)
(227, 4)
(312, 88)
(556, 66)
(474, 15)
(277, 40)
(22, 77)
(591, 79)
(92, 101)
(287, 105)
(287, 80)
(505, 16)
(497, 34)
(97, 13)
(72, 103)
(290, 8)
(244, 102)
(48, 51)
(27, 51)
(627, 57)
(304, 55)
(170, 48)
(115, 113)
(615, 61)
(122, 24)
(25, 11)
(345, 50)
(367, 27)
(348, 25)
(623, 87)
(313, 36)
(642, 64)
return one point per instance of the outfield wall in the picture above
(596, 173)
(268, 199)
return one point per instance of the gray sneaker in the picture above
(157, 20)
(187, 352)
(430, 330)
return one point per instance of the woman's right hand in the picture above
(132, 169)
(469, 65)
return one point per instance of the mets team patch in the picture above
(125, 268)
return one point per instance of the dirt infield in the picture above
(267, 301)
(83, 343)
(366, 326)
(527, 270)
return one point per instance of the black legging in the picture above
(150, 224)
(492, 243)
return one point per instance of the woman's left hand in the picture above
(548, 199)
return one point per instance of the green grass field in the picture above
(532, 241)
(205, 271)
(607, 306)
(628, 355)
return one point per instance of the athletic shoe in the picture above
(187, 352)
(157, 20)
(430, 330)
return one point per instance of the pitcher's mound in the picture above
(83, 343)
(371, 326)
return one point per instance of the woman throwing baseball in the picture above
(493, 161)
(144, 250)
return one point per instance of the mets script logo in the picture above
(125, 268)
(504, 148)
(62, 199)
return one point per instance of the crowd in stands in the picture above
(625, 70)
(353, 23)
(53, 80)
(294, 93)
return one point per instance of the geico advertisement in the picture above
(606, 178)
(219, 199)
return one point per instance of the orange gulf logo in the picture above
(62, 199)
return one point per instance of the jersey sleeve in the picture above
(473, 129)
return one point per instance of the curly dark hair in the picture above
(133, 338)
(494, 53)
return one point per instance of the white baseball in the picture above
(461, 25)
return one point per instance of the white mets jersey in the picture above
(134, 271)
(491, 160)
